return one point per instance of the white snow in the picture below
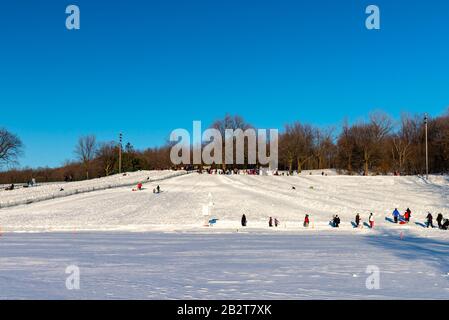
(230, 265)
(49, 191)
(171, 254)
(180, 205)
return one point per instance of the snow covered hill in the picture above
(63, 189)
(181, 204)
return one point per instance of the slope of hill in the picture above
(181, 204)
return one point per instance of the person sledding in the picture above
(212, 222)
(439, 220)
(336, 221)
(270, 222)
(357, 220)
(429, 221)
(445, 225)
(306, 221)
(157, 189)
(396, 215)
(139, 186)
(371, 220)
(244, 221)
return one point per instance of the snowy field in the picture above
(136, 244)
(253, 265)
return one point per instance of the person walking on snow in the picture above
(244, 220)
(270, 222)
(439, 220)
(396, 215)
(276, 222)
(371, 220)
(357, 220)
(306, 221)
(429, 220)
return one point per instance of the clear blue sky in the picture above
(148, 67)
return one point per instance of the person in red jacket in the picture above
(306, 221)
(139, 186)
(407, 215)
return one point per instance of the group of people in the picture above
(405, 218)
(442, 223)
(139, 187)
(335, 222)
(273, 220)
(358, 220)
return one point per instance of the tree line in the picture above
(376, 145)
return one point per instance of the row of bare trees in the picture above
(377, 145)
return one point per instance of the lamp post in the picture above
(120, 153)
(427, 148)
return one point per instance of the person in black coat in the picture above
(429, 220)
(244, 220)
(336, 221)
(445, 225)
(357, 220)
(439, 220)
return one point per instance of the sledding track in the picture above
(180, 204)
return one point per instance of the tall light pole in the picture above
(427, 148)
(120, 153)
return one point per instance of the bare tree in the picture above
(10, 147)
(403, 141)
(369, 137)
(107, 155)
(85, 150)
(230, 122)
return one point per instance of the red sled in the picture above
(403, 222)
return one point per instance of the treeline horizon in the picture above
(373, 146)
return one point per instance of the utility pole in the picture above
(120, 153)
(427, 148)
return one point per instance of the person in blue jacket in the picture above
(396, 215)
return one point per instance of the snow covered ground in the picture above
(223, 265)
(180, 205)
(136, 244)
(54, 190)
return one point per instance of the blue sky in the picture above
(148, 67)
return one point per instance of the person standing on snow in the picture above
(439, 220)
(276, 222)
(270, 222)
(244, 220)
(357, 220)
(371, 220)
(429, 220)
(407, 215)
(396, 215)
(306, 221)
